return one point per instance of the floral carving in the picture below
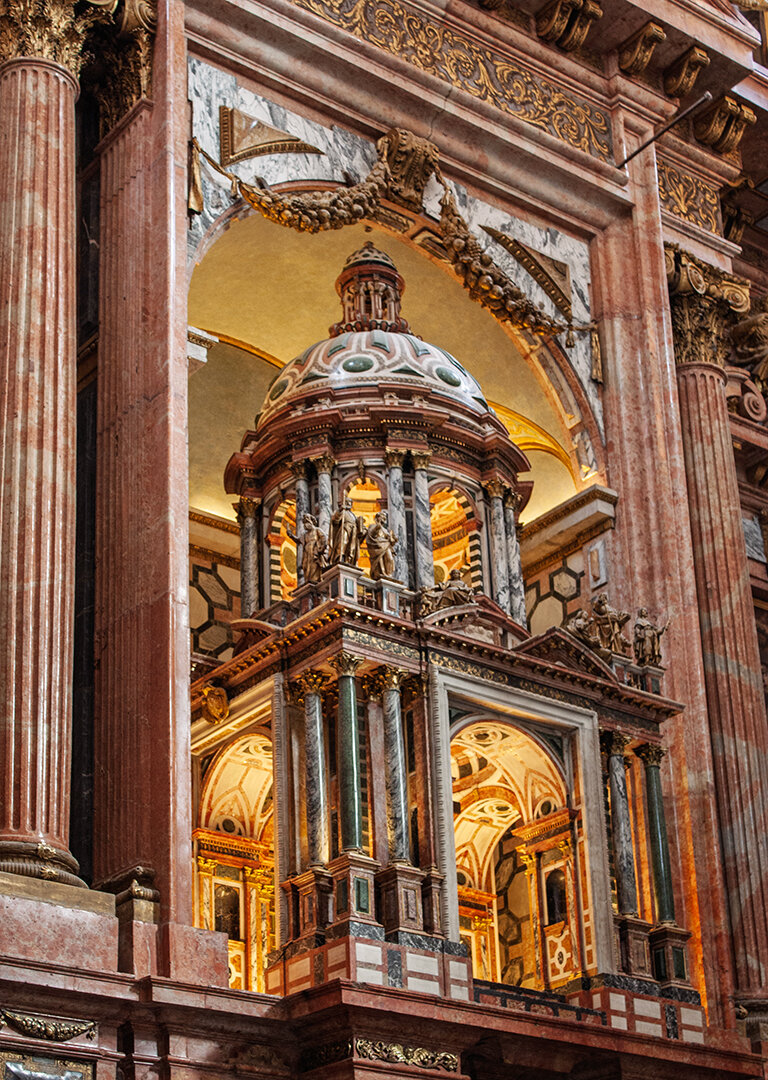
(478, 71)
(38, 1027)
(48, 29)
(688, 197)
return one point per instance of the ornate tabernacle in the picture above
(433, 770)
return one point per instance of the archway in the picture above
(518, 873)
(234, 850)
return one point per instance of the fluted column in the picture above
(324, 466)
(500, 569)
(311, 686)
(37, 397)
(703, 301)
(246, 518)
(396, 777)
(422, 521)
(651, 756)
(396, 510)
(516, 583)
(621, 826)
(299, 470)
(348, 743)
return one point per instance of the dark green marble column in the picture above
(348, 742)
(651, 756)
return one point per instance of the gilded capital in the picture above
(496, 488)
(614, 743)
(345, 663)
(119, 67)
(421, 458)
(393, 677)
(650, 753)
(311, 682)
(299, 469)
(394, 458)
(49, 29)
(373, 685)
(245, 509)
(324, 463)
(512, 498)
(705, 304)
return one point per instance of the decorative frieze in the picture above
(482, 73)
(688, 197)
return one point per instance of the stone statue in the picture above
(608, 624)
(314, 550)
(381, 543)
(648, 640)
(750, 342)
(582, 626)
(446, 594)
(346, 532)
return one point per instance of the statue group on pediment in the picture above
(601, 630)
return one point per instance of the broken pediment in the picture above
(242, 137)
(558, 647)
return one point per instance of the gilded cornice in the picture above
(688, 197)
(49, 29)
(483, 73)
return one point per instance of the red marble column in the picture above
(652, 557)
(731, 665)
(37, 498)
(142, 786)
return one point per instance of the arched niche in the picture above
(267, 293)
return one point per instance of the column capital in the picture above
(324, 463)
(512, 499)
(614, 743)
(495, 487)
(392, 677)
(311, 682)
(705, 303)
(650, 753)
(421, 458)
(373, 685)
(345, 663)
(394, 458)
(245, 507)
(56, 32)
(121, 75)
(298, 469)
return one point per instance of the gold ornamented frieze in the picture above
(379, 1050)
(481, 72)
(688, 197)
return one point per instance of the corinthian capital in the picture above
(119, 68)
(705, 304)
(49, 29)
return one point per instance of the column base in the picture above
(399, 889)
(431, 899)
(633, 948)
(668, 944)
(39, 860)
(312, 893)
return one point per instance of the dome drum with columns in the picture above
(400, 426)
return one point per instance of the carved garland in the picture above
(38, 1027)
(405, 164)
(377, 1050)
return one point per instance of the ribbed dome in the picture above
(375, 361)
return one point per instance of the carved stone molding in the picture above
(636, 52)
(44, 1027)
(553, 276)
(705, 303)
(566, 23)
(688, 197)
(723, 124)
(681, 75)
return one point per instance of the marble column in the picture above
(311, 686)
(246, 517)
(396, 777)
(299, 470)
(324, 466)
(651, 755)
(500, 569)
(516, 584)
(702, 302)
(348, 755)
(37, 492)
(423, 557)
(396, 510)
(621, 826)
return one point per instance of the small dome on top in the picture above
(370, 353)
(369, 253)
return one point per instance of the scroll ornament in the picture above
(405, 165)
